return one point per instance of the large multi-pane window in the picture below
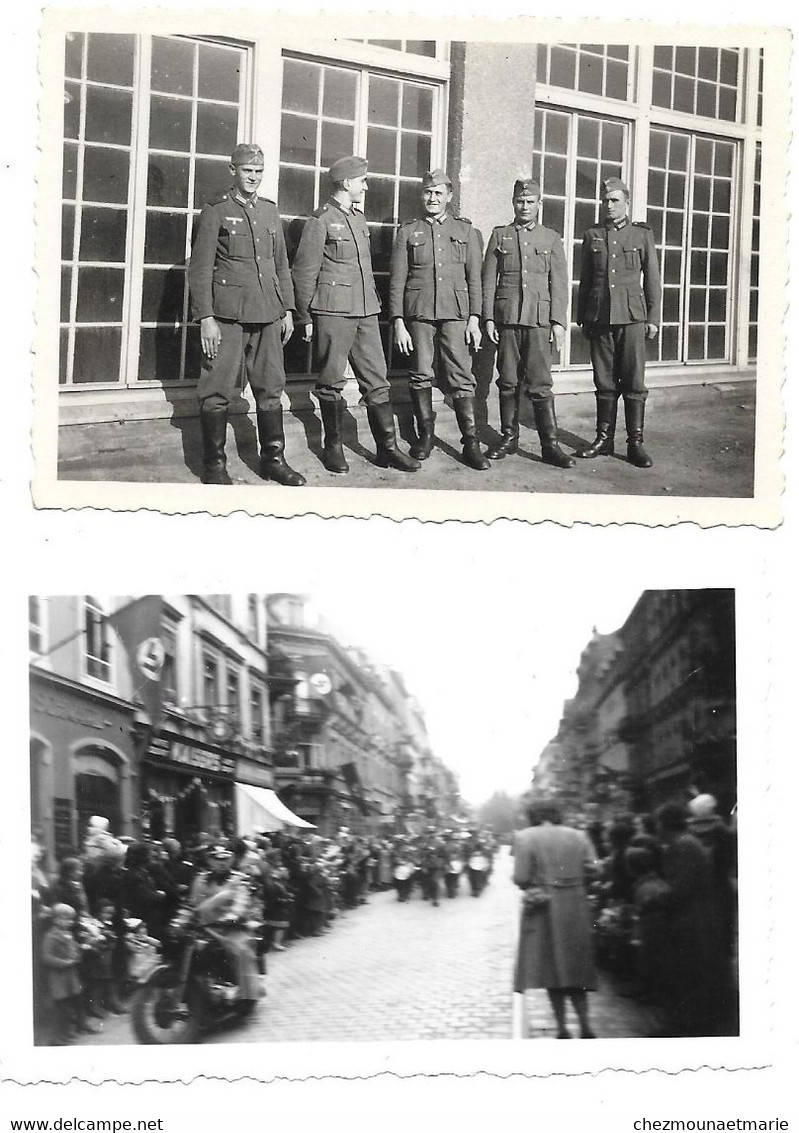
(592, 68)
(697, 80)
(330, 110)
(149, 123)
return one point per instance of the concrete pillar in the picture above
(491, 122)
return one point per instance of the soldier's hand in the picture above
(473, 334)
(491, 331)
(651, 330)
(558, 336)
(286, 327)
(307, 334)
(210, 336)
(402, 337)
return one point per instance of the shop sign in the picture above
(254, 773)
(178, 751)
(64, 708)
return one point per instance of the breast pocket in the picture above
(541, 262)
(269, 240)
(458, 250)
(419, 251)
(632, 259)
(338, 248)
(235, 241)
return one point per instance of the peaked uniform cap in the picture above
(436, 177)
(526, 185)
(247, 153)
(346, 167)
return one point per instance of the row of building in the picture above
(261, 701)
(654, 715)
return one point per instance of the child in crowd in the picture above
(61, 957)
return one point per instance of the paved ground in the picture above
(388, 971)
(701, 438)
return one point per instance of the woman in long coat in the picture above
(555, 945)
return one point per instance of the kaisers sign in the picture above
(178, 751)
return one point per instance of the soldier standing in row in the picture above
(617, 314)
(242, 297)
(335, 290)
(435, 300)
(525, 292)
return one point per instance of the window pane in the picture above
(555, 176)
(67, 231)
(555, 215)
(159, 354)
(170, 123)
(612, 143)
(678, 151)
(210, 177)
(165, 238)
(66, 298)
(69, 183)
(618, 51)
(729, 67)
(728, 104)
(105, 175)
(708, 63)
(717, 305)
(719, 267)
(587, 137)
(97, 351)
(219, 73)
(674, 228)
(676, 192)
(111, 58)
(590, 81)
(702, 194)
(63, 355)
(172, 66)
(685, 60)
(100, 295)
(421, 47)
(301, 86)
(337, 141)
(557, 133)
(340, 91)
(383, 101)
(696, 343)
(381, 238)
(704, 156)
(108, 115)
(706, 99)
(671, 305)
(670, 344)
(298, 140)
(409, 199)
(699, 267)
(296, 191)
(584, 217)
(720, 232)
(716, 342)
(585, 185)
(722, 165)
(672, 272)
(168, 181)
(417, 107)
(73, 53)
(699, 231)
(102, 234)
(657, 187)
(562, 71)
(71, 110)
(664, 57)
(414, 155)
(216, 128)
(657, 149)
(684, 94)
(380, 199)
(654, 218)
(162, 295)
(721, 196)
(381, 150)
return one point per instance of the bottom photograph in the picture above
(281, 817)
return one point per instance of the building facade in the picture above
(150, 121)
(654, 715)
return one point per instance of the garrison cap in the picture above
(436, 177)
(346, 167)
(526, 185)
(247, 153)
(613, 184)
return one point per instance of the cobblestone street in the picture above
(389, 971)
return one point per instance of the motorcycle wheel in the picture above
(155, 1021)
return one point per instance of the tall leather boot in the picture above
(603, 444)
(213, 425)
(422, 401)
(332, 452)
(508, 424)
(273, 445)
(634, 419)
(464, 413)
(381, 422)
(547, 427)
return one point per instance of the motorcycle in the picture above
(193, 989)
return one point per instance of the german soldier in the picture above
(525, 291)
(242, 297)
(617, 314)
(435, 298)
(334, 286)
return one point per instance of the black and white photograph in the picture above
(526, 271)
(265, 818)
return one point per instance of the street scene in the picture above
(248, 827)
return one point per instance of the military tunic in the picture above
(435, 287)
(619, 294)
(525, 292)
(335, 288)
(239, 273)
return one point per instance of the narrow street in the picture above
(389, 971)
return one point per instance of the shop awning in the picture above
(260, 809)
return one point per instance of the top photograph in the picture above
(464, 278)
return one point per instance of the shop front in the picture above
(187, 788)
(82, 762)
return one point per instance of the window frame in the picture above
(39, 627)
(109, 640)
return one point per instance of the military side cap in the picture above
(346, 167)
(613, 184)
(436, 177)
(247, 153)
(526, 185)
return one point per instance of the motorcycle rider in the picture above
(222, 900)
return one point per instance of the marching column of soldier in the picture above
(445, 293)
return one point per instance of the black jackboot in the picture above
(547, 426)
(472, 454)
(634, 419)
(381, 422)
(422, 401)
(213, 425)
(508, 424)
(332, 452)
(273, 446)
(603, 444)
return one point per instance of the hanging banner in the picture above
(139, 627)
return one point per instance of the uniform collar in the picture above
(243, 201)
(437, 219)
(341, 208)
(530, 225)
(617, 224)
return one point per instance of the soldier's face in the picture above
(247, 178)
(357, 188)
(614, 205)
(435, 199)
(526, 207)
